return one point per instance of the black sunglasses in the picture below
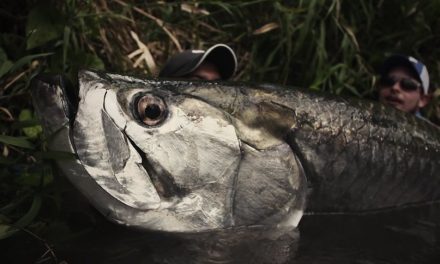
(407, 84)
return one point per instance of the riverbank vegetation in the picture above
(333, 46)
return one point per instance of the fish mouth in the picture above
(60, 86)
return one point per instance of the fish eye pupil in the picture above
(153, 111)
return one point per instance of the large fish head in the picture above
(160, 155)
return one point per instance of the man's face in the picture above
(206, 71)
(398, 90)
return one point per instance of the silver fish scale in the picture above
(377, 159)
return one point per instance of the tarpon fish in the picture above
(188, 157)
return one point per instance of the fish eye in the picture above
(151, 110)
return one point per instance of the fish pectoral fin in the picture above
(270, 187)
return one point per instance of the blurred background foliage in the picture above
(327, 45)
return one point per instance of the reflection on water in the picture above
(406, 236)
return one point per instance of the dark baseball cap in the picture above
(183, 63)
(416, 66)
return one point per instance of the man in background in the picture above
(217, 63)
(404, 84)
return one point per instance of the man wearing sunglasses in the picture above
(404, 84)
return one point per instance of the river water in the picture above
(405, 236)
(399, 237)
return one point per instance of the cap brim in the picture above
(181, 64)
(223, 57)
(395, 61)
